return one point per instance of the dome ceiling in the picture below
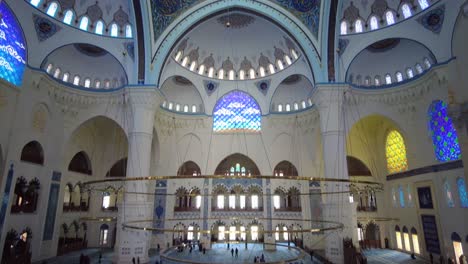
(236, 41)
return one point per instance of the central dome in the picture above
(236, 41)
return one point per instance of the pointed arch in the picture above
(119, 169)
(285, 168)
(81, 163)
(395, 152)
(189, 168)
(442, 130)
(33, 152)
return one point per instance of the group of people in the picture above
(260, 259)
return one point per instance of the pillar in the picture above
(140, 113)
(336, 207)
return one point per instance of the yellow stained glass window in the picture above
(396, 152)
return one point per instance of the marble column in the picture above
(140, 116)
(329, 100)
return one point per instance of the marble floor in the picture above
(386, 256)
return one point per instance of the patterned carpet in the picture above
(385, 256)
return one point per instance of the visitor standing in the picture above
(431, 258)
(133, 260)
(237, 253)
(232, 252)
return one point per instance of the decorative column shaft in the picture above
(336, 207)
(140, 114)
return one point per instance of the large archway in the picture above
(237, 165)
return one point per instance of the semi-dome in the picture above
(85, 65)
(389, 61)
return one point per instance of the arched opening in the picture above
(17, 247)
(33, 153)
(285, 168)
(179, 234)
(414, 236)
(398, 238)
(104, 235)
(81, 163)
(457, 246)
(237, 165)
(119, 169)
(371, 236)
(189, 168)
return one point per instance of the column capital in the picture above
(146, 97)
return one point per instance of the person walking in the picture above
(133, 260)
(232, 252)
(431, 258)
(237, 253)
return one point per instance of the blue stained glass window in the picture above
(402, 196)
(462, 192)
(237, 112)
(13, 50)
(444, 135)
(448, 194)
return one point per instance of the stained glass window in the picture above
(410, 196)
(344, 28)
(448, 194)
(394, 200)
(358, 26)
(237, 111)
(13, 50)
(374, 23)
(396, 152)
(406, 10)
(462, 192)
(444, 135)
(402, 196)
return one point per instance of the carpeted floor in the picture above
(386, 256)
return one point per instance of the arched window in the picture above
(388, 79)
(427, 63)
(344, 28)
(177, 107)
(405, 8)
(128, 31)
(448, 194)
(262, 71)
(80, 163)
(104, 235)
(296, 106)
(457, 246)
(66, 76)
(395, 150)
(185, 61)
(241, 75)
(171, 104)
(97, 84)
(280, 108)
(33, 152)
(87, 83)
(35, 2)
(462, 194)
(252, 74)
(57, 73)
(415, 238)
(358, 26)
(288, 107)
(106, 197)
(401, 193)
(236, 111)
(271, 68)
(287, 59)
(107, 84)
(178, 55)
(407, 239)
(68, 17)
(114, 30)
(367, 81)
(398, 237)
(84, 23)
(444, 135)
(294, 54)
(280, 64)
(394, 199)
(211, 72)
(423, 4)
(399, 77)
(49, 68)
(419, 68)
(99, 27)
(193, 65)
(52, 10)
(201, 70)
(76, 80)
(390, 17)
(194, 108)
(221, 74)
(409, 73)
(374, 23)
(303, 104)
(186, 108)
(377, 80)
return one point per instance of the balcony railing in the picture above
(288, 209)
(226, 209)
(73, 208)
(186, 209)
